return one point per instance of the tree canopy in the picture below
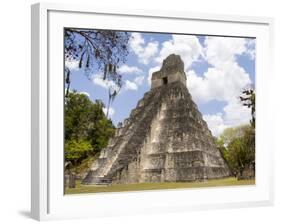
(87, 130)
(229, 134)
(237, 146)
(102, 50)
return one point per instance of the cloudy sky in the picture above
(217, 70)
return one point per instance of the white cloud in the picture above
(187, 46)
(136, 42)
(72, 64)
(235, 113)
(224, 82)
(111, 111)
(215, 123)
(149, 51)
(226, 79)
(98, 80)
(125, 69)
(129, 85)
(218, 83)
(133, 85)
(251, 50)
(220, 50)
(144, 51)
(139, 80)
(85, 93)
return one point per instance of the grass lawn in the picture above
(231, 181)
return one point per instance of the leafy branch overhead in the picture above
(102, 50)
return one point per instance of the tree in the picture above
(221, 146)
(75, 151)
(100, 129)
(78, 107)
(250, 141)
(102, 50)
(248, 98)
(87, 131)
(229, 134)
(236, 155)
(86, 120)
(237, 146)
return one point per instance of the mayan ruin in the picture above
(165, 138)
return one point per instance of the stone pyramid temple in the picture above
(165, 139)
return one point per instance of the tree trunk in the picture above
(67, 89)
(72, 180)
(64, 182)
(67, 80)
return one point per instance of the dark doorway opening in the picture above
(165, 80)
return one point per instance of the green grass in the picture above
(231, 181)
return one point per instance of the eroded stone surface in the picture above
(164, 139)
(172, 71)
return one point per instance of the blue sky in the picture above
(217, 70)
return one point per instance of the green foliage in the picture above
(240, 141)
(221, 146)
(237, 146)
(87, 130)
(229, 134)
(100, 133)
(76, 150)
(78, 107)
(237, 154)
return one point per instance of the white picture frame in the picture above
(47, 198)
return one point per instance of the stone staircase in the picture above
(126, 141)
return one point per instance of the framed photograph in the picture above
(148, 111)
